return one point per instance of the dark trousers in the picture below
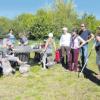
(73, 63)
(65, 56)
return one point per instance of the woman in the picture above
(76, 43)
(11, 36)
(48, 49)
(97, 47)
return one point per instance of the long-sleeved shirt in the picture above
(65, 39)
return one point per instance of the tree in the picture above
(23, 23)
(90, 21)
(62, 14)
(43, 24)
(5, 25)
(65, 13)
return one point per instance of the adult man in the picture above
(65, 47)
(24, 40)
(86, 35)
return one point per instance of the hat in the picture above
(64, 28)
(50, 34)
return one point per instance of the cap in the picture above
(64, 28)
(50, 34)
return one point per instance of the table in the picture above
(23, 52)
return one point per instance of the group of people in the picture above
(74, 44)
(71, 46)
(7, 54)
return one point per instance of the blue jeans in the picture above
(84, 54)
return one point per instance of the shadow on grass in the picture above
(34, 62)
(1, 71)
(89, 74)
(64, 65)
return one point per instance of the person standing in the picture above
(86, 35)
(97, 47)
(75, 45)
(48, 49)
(11, 36)
(65, 47)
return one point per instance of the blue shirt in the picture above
(11, 38)
(85, 34)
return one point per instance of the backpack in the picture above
(57, 56)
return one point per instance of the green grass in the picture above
(53, 84)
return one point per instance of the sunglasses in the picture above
(82, 26)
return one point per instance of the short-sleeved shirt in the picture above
(85, 34)
(11, 37)
(23, 39)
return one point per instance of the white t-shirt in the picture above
(65, 39)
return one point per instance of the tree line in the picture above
(51, 19)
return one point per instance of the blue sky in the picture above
(12, 8)
(89, 6)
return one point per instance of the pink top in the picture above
(75, 42)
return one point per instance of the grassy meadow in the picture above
(55, 83)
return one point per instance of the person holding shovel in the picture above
(86, 35)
